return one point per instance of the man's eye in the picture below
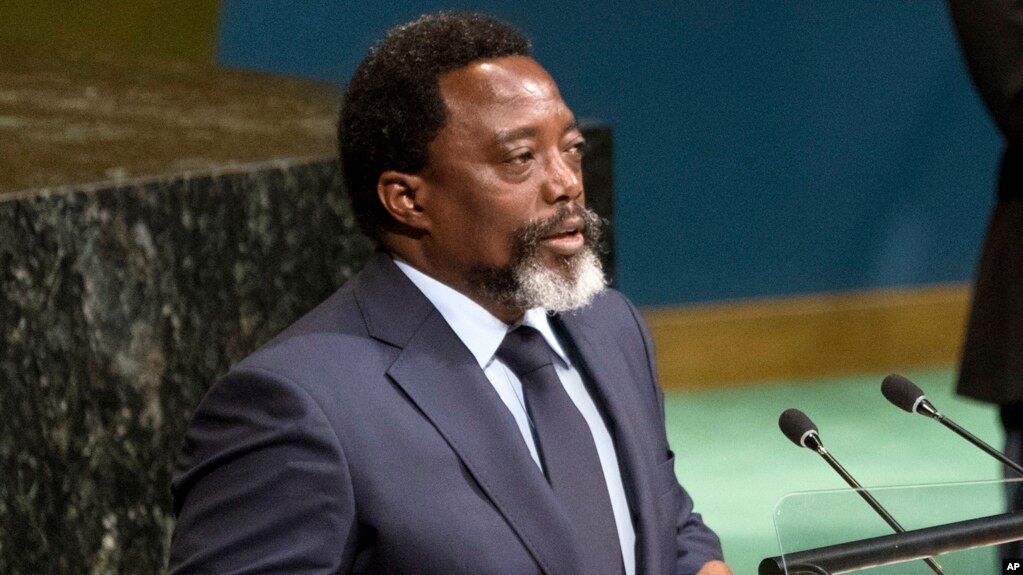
(521, 157)
(578, 149)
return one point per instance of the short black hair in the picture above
(392, 108)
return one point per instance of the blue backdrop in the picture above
(761, 148)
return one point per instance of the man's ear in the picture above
(401, 195)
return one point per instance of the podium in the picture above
(958, 525)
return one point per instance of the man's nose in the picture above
(564, 180)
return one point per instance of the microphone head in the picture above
(902, 392)
(797, 426)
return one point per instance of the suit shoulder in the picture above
(339, 313)
(327, 346)
(310, 351)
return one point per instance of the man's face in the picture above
(507, 165)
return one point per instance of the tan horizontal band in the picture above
(809, 336)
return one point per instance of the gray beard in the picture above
(526, 282)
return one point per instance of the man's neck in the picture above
(510, 315)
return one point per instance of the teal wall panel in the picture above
(762, 149)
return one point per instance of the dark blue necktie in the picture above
(566, 449)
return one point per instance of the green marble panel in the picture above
(120, 306)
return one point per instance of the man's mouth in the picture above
(567, 239)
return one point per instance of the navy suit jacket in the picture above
(366, 439)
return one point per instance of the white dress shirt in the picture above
(483, 333)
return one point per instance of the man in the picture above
(431, 417)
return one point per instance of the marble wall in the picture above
(119, 305)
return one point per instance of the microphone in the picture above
(907, 396)
(801, 430)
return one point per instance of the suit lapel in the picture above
(606, 369)
(442, 377)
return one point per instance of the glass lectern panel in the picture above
(942, 512)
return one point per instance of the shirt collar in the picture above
(478, 329)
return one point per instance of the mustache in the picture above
(526, 239)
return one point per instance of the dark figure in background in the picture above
(474, 401)
(991, 34)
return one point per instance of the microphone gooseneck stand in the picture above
(802, 431)
(813, 442)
